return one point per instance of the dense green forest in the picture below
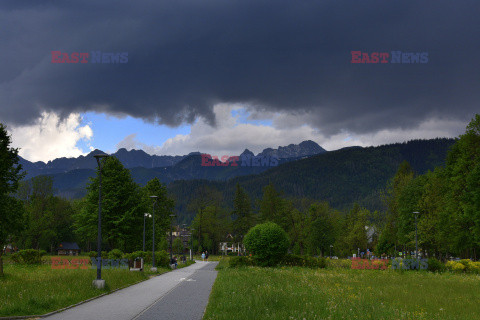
(342, 178)
(339, 202)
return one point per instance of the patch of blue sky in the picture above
(242, 117)
(108, 131)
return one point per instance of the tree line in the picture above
(447, 200)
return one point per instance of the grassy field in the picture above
(301, 293)
(35, 290)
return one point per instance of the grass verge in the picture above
(302, 293)
(36, 290)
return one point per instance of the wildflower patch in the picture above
(378, 264)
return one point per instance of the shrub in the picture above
(148, 256)
(28, 256)
(268, 243)
(458, 267)
(241, 261)
(104, 255)
(115, 254)
(435, 265)
(15, 257)
(92, 254)
(464, 265)
(449, 265)
(162, 259)
(475, 267)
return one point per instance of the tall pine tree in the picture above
(10, 208)
(242, 212)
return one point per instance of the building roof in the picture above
(68, 246)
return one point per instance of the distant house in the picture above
(231, 246)
(183, 233)
(9, 249)
(68, 249)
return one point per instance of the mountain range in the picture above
(72, 174)
(342, 177)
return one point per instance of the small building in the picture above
(182, 233)
(9, 248)
(68, 249)
(230, 246)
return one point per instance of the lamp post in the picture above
(171, 238)
(331, 246)
(99, 283)
(191, 243)
(144, 216)
(154, 198)
(416, 240)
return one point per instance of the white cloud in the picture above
(231, 137)
(433, 128)
(50, 137)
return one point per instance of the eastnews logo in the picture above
(246, 161)
(389, 57)
(92, 57)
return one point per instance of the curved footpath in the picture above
(179, 294)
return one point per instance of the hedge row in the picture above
(28, 256)
(161, 257)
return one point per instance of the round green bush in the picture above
(115, 254)
(268, 243)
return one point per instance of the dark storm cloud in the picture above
(287, 56)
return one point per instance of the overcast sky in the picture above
(223, 75)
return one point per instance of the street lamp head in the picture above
(154, 198)
(100, 156)
(147, 215)
(416, 212)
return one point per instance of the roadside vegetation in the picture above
(35, 288)
(339, 293)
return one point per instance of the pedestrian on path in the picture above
(206, 255)
(203, 256)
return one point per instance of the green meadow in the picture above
(303, 293)
(39, 289)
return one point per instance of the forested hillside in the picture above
(339, 177)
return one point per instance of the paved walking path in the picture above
(179, 294)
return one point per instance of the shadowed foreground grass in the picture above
(301, 293)
(35, 290)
